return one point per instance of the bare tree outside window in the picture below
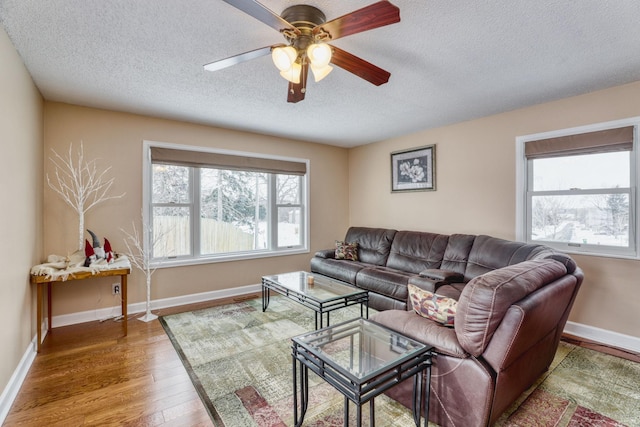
(547, 216)
(616, 210)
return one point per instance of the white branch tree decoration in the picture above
(140, 256)
(80, 184)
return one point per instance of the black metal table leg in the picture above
(265, 297)
(372, 413)
(295, 390)
(427, 393)
(304, 391)
(421, 392)
(346, 412)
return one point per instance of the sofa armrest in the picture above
(438, 275)
(424, 283)
(326, 253)
(421, 329)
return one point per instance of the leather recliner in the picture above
(507, 327)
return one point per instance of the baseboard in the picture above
(141, 307)
(12, 388)
(603, 336)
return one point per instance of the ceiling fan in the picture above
(307, 33)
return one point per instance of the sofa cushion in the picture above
(384, 281)
(485, 299)
(374, 244)
(435, 307)
(339, 269)
(457, 253)
(348, 251)
(490, 253)
(381, 302)
(415, 251)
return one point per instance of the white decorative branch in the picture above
(140, 256)
(80, 184)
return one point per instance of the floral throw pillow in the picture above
(433, 306)
(348, 251)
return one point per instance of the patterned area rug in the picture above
(239, 360)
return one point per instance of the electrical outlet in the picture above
(115, 289)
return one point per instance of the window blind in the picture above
(226, 161)
(619, 139)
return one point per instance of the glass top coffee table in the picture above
(361, 359)
(319, 293)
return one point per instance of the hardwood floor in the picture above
(90, 375)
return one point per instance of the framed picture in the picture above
(414, 169)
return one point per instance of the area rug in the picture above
(239, 359)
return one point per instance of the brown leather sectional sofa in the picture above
(513, 299)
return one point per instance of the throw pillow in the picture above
(348, 251)
(435, 307)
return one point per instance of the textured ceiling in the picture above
(450, 61)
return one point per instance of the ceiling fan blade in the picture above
(369, 17)
(236, 59)
(297, 90)
(359, 67)
(263, 14)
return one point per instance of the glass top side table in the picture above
(361, 359)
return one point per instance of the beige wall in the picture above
(115, 139)
(476, 191)
(21, 214)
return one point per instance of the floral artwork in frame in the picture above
(414, 169)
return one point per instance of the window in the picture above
(205, 206)
(578, 189)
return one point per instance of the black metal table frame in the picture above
(320, 307)
(361, 390)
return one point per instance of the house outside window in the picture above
(577, 189)
(207, 206)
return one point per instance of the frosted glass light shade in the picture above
(293, 73)
(320, 73)
(284, 57)
(319, 54)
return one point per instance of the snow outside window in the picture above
(577, 189)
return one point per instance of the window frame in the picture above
(523, 198)
(196, 258)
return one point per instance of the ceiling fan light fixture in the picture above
(319, 54)
(293, 73)
(284, 57)
(308, 34)
(320, 73)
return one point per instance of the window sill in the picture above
(181, 262)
